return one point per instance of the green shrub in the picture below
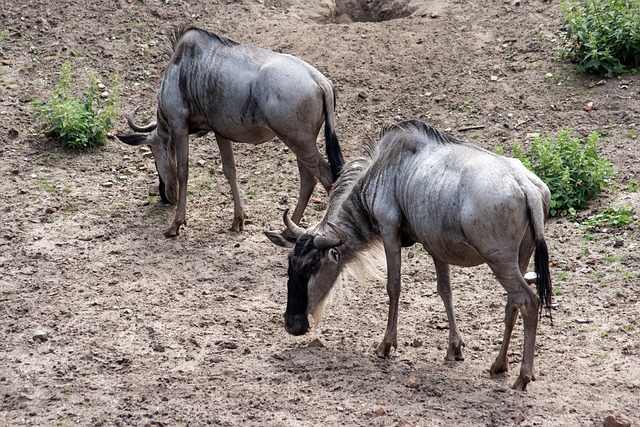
(602, 36)
(613, 216)
(79, 123)
(572, 169)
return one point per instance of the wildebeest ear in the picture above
(280, 240)
(133, 139)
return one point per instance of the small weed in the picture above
(613, 216)
(4, 33)
(78, 123)
(628, 327)
(632, 186)
(468, 105)
(558, 290)
(48, 186)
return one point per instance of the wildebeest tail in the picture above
(543, 280)
(536, 210)
(332, 145)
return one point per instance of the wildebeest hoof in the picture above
(521, 382)
(499, 368)
(238, 224)
(384, 350)
(171, 233)
(454, 352)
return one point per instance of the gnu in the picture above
(465, 205)
(244, 94)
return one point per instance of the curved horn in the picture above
(292, 226)
(324, 242)
(148, 128)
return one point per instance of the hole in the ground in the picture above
(371, 10)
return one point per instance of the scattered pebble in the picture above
(617, 419)
(40, 336)
(107, 184)
(380, 411)
(316, 343)
(51, 210)
(412, 382)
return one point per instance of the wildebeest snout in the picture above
(296, 324)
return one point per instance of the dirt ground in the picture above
(104, 321)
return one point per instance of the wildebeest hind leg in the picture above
(229, 170)
(307, 184)
(454, 351)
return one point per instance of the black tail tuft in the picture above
(543, 281)
(334, 153)
(332, 145)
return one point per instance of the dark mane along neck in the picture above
(176, 33)
(430, 132)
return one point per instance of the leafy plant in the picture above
(613, 216)
(79, 123)
(572, 169)
(602, 36)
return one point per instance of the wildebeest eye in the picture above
(334, 255)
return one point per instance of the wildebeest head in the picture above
(314, 266)
(163, 155)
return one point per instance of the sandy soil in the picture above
(103, 321)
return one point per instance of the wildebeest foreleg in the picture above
(229, 170)
(454, 351)
(501, 364)
(393, 255)
(181, 140)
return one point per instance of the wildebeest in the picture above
(243, 94)
(465, 205)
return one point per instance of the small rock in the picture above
(380, 411)
(417, 342)
(201, 162)
(316, 343)
(618, 243)
(51, 210)
(107, 184)
(412, 382)
(588, 106)
(40, 336)
(519, 417)
(617, 419)
(104, 94)
(362, 94)
(159, 348)
(6, 62)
